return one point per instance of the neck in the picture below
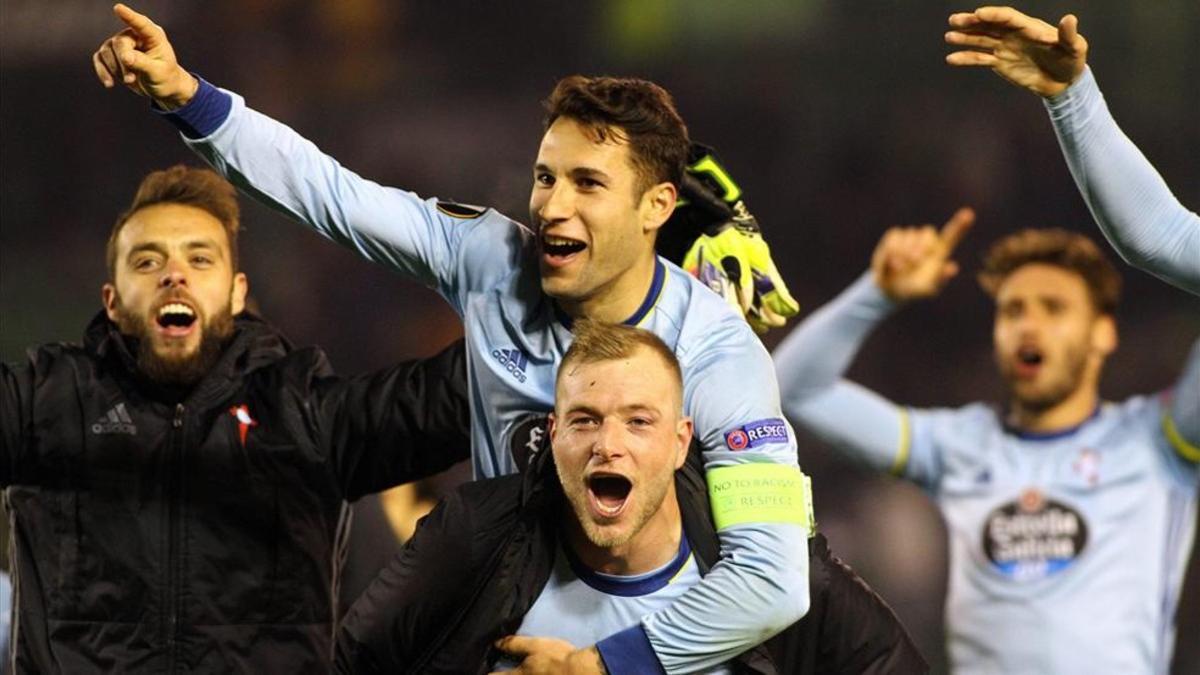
(1071, 411)
(653, 546)
(620, 298)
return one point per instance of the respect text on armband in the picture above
(760, 493)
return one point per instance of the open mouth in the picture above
(610, 493)
(175, 318)
(1029, 360)
(561, 248)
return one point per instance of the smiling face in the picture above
(1050, 342)
(174, 289)
(596, 224)
(618, 435)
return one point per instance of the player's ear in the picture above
(1104, 335)
(658, 203)
(108, 295)
(684, 430)
(551, 427)
(237, 297)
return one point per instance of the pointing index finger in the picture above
(957, 227)
(138, 22)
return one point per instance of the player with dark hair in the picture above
(1069, 518)
(604, 182)
(1129, 200)
(177, 485)
(538, 563)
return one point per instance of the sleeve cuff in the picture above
(202, 115)
(629, 652)
(1079, 95)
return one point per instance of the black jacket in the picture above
(159, 535)
(479, 561)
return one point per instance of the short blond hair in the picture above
(596, 341)
(1068, 250)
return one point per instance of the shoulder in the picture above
(700, 325)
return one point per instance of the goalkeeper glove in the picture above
(730, 255)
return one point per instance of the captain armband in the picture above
(760, 493)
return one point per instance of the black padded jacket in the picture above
(158, 532)
(479, 561)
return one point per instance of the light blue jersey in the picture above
(1129, 199)
(1067, 550)
(484, 264)
(581, 606)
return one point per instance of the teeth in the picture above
(175, 308)
(559, 241)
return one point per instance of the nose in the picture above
(173, 275)
(559, 204)
(608, 442)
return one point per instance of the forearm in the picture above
(813, 358)
(286, 172)
(1131, 203)
(758, 588)
(400, 424)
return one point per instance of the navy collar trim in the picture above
(648, 303)
(630, 586)
(1051, 435)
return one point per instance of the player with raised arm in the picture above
(604, 181)
(1135, 209)
(1069, 518)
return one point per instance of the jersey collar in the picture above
(630, 586)
(648, 303)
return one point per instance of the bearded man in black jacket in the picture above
(177, 486)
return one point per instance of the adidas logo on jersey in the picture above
(116, 421)
(513, 360)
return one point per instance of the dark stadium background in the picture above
(838, 118)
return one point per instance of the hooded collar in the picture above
(254, 343)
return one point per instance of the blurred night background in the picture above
(838, 119)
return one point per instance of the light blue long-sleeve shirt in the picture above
(483, 264)
(1067, 550)
(1129, 199)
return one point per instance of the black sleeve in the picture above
(396, 425)
(16, 402)
(414, 598)
(848, 628)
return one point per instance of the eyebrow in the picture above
(157, 247)
(636, 407)
(577, 172)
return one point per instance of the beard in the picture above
(177, 370)
(650, 499)
(1057, 388)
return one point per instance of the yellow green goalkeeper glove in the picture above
(730, 255)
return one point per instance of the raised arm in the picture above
(908, 264)
(396, 425)
(1131, 203)
(430, 240)
(1181, 424)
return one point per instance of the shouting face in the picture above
(174, 289)
(1049, 339)
(595, 221)
(618, 435)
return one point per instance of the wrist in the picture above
(183, 92)
(586, 662)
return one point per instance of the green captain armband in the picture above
(760, 493)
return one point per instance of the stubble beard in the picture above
(650, 501)
(1057, 390)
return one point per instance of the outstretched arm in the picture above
(1131, 203)
(396, 425)
(426, 239)
(908, 264)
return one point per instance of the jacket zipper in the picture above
(175, 467)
